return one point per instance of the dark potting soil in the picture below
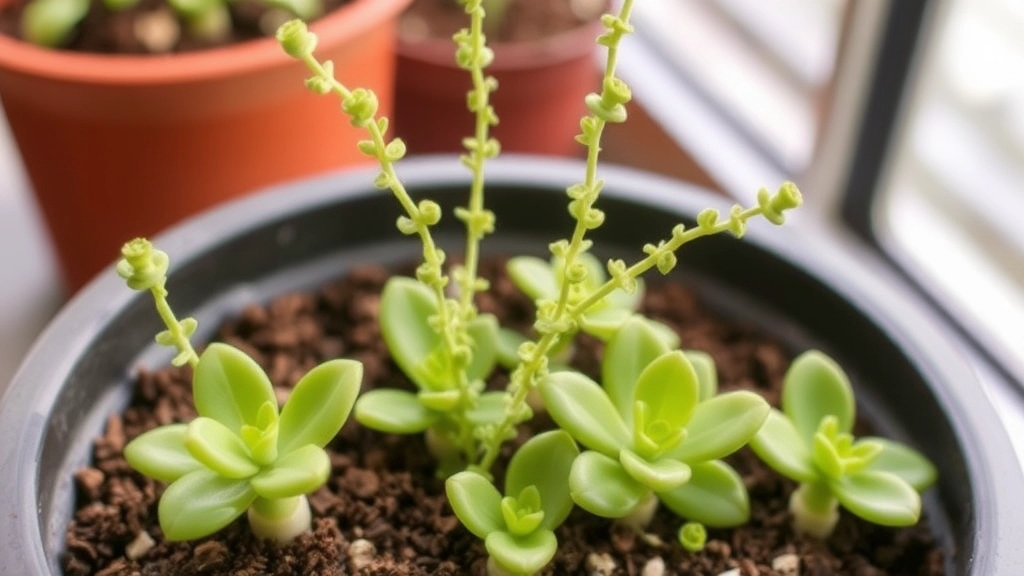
(524, 20)
(383, 511)
(150, 27)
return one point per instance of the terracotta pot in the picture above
(122, 146)
(539, 101)
(913, 383)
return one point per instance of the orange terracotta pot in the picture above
(121, 146)
(539, 101)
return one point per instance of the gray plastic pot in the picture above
(912, 383)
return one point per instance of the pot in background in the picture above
(121, 146)
(912, 384)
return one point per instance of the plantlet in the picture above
(518, 529)
(811, 441)
(241, 453)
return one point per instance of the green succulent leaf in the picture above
(300, 471)
(476, 502)
(230, 387)
(544, 461)
(508, 344)
(878, 497)
(633, 347)
(581, 408)
(658, 475)
(201, 503)
(815, 387)
(319, 404)
(219, 449)
(535, 277)
(601, 486)
(394, 411)
(161, 454)
(722, 425)
(483, 330)
(715, 496)
(522, 554)
(826, 456)
(905, 462)
(406, 306)
(490, 408)
(707, 376)
(50, 22)
(603, 323)
(669, 386)
(780, 446)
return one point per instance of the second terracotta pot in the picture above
(120, 146)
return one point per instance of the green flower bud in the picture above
(296, 39)
(142, 265)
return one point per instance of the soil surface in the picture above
(522, 21)
(383, 511)
(151, 27)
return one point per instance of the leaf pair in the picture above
(240, 448)
(518, 528)
(654, 427)
(810, 441)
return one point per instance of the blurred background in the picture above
(903, 122)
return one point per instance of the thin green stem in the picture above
(179, 336)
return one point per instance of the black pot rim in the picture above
(993, 467)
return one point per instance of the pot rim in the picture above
(352, 19)
(874, 290)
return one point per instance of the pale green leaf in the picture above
(523, 554)
(905, 462)
(201, 503)
(405, 308)
(50, 22)
(476, 502)
(668, 385)
(815, 387)
(483, 330)
(544, 461)
(658, 475)
(722, 425)
(298, 472)
(161, 454)
(780, 446)
(489, 409)
(508, 343)
(633, 347)
(533, 276)
(878, 497)
(580, 407)
(715, 496)
(219, 449)
(319, 404)
(601, 486)
(603, 323)
(394, 411)
(230, 387)
(707, 375)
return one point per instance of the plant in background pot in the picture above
(655, 424)
(161, 138)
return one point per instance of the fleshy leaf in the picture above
(300, 471)
(533, 276)
(780, 446)
(394, 411)
(722, 425)
(319, 405)
(483, 330)
(476, 502)
(905, 462)
(815, 387)
(668, 385)
(544, 461)
(581, 408)
(632, 348)
(508, 343)
(201, 503)
(601, 486)
(230, 387)
(490, 407)
(714, 496)
(658, 475)
(707, 376)
(524, 554)
(219, 449)
(603, 323)
(405, 308)
(878, 497)
(161, 454)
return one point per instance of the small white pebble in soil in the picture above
(654, 567)
(652, 540)
(361, 553)
(138, 547)
(733, 572)
(600, 564)
(787, 565)
(157, 30)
